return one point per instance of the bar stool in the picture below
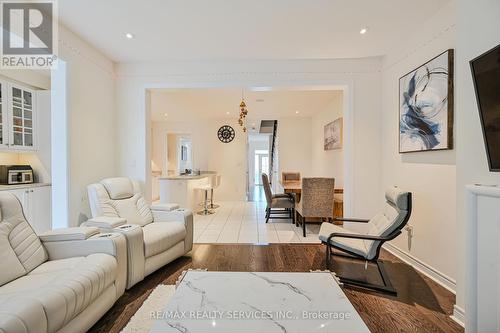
(205, 210)
(215, 180)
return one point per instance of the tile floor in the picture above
(244, 222)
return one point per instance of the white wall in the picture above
(294, 145)
(35, 78)
(327, 163)
(478, 31)
(430, 176)
(91, 114)
(172, 162)
(209, 154)
(360, 76)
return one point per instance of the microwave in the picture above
(16, 174)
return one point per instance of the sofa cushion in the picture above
(397, 197)
(383, 224)
(118, 188)
(20, 247)
(21, 316)
(64, 288)
(135, 210)
(350, 244)
(161, 236)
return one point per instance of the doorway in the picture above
(258, 163)
(261, 165)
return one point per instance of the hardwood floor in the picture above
(421, 305)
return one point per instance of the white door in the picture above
(40, 204)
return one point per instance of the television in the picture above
(486, 77)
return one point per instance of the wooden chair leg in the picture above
(268, 212)
(304, 226)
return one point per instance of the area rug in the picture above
(141, 321)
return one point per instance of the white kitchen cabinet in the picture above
(36, 202)
(18, 117)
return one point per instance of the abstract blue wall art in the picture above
(426, 106)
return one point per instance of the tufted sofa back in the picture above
(119, 197)
(20, 248)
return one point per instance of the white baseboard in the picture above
(458, 315)
(422, 267)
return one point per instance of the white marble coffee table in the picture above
(258, 302)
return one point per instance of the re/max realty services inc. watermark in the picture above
(29, 34)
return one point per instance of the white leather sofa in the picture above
(61, 281)
(156, 235)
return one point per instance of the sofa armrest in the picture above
(68, 234)
(178, 215)
(113, 244)
(105, 222)
(168, 207)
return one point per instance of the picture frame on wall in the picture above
(426, 106)
(333, 135)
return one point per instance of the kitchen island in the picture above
(181, 189)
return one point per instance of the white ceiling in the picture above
(236, 29)
(200, 104)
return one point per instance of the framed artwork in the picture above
(426, 106)
(333, 135)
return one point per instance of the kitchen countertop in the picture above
(21, 186)
(186, 177)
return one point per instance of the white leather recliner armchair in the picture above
(156, 235)
(61, 281)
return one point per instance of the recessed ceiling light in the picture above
(297, 112)
(129, 35)
(363, 31)
(227, 112)
(165, 114)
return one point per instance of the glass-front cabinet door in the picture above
(22, 119)
(4, 126)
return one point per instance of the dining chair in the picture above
(279, 205)
(290, 176)
(316, 200)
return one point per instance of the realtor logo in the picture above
(29, 34)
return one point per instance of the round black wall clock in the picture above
(226, 134)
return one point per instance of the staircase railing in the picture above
(273, 152)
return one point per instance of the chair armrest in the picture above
(167, 207)
(348, 219)
(105, 222)
(98, 243)
(68, 234)
(366, 237)
(178, 215)
(113, 244)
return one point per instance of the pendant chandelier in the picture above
(243, 112)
